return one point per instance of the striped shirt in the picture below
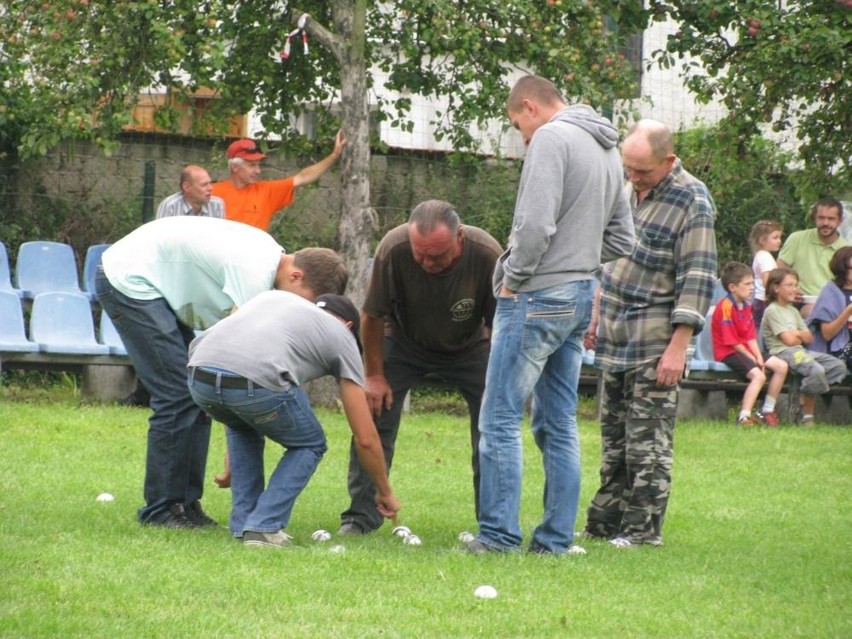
(666, 281)
(175, 204)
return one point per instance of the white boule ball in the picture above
(412, 540)
(401, 531)
(321, 535)
(466, 537)
(485, 592)
(337, 549)
(105, 497)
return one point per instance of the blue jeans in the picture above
(251, 414)
(536, 348)
(178, 431)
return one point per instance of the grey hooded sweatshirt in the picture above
(571, 212)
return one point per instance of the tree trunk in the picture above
(357, 218)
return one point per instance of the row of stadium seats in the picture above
(60, 323)
(47, 291)
(43, 267)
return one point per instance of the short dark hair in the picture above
(829, 203)
(535, 88)
(323, 270)
(838, 264)
(776, 276)
(734, 273)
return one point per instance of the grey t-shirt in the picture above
(277, 339)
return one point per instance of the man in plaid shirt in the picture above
(651, 304)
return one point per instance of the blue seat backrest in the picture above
(704, 343)
(90, 267)
(5, 274)
(46, 266)
(13, 337)
(62, 323)
(109, 336)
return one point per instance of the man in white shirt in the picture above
(158, 284)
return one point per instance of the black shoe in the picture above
(139, 397)
(197, 516)
(176, 518)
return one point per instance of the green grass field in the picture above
(757, 543)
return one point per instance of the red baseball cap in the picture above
(245, 149)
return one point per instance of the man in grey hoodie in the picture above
(570, 215)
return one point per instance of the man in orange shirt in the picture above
(253, 201)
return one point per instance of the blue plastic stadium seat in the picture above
(703, 359)
(13, 338)
(5, 275)
(90, 267)
(46, 266)
(109, 336)
(62, 323)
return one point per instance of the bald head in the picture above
(648, 154)
(655, 134)
(196, 186)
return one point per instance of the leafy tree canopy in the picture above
(783, 66)
(70, 68)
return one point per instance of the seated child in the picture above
(786, 336)
(735, 345)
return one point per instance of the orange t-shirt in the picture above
(256, 203)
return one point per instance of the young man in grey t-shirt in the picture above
(247, 372)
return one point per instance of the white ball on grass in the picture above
(412, 540)
(337, 549)
(321, 535)
(466, 537)
(105, 497)
(485, 592)
(401, 531)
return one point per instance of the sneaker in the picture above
(477, 547)
(770, 419)
(176, 518)
(622, 542)
(350, 529)
(635, 542)
(588, 534)
(278, 539)
(197, 516)
(746, 422)
(537, 549)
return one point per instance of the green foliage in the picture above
(71, 68)
(749, 184)
(784, 66)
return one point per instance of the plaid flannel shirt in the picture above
(667, 280)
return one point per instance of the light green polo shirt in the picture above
(201, 266)
(804, 252)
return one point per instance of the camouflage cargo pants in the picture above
(637, 428)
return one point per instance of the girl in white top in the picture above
(765, 239)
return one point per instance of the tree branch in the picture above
(322, 35)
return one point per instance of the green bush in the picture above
(749, 181)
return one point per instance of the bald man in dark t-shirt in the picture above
(428, 311)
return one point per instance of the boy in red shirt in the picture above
(735, 345)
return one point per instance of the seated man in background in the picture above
(809, 252)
